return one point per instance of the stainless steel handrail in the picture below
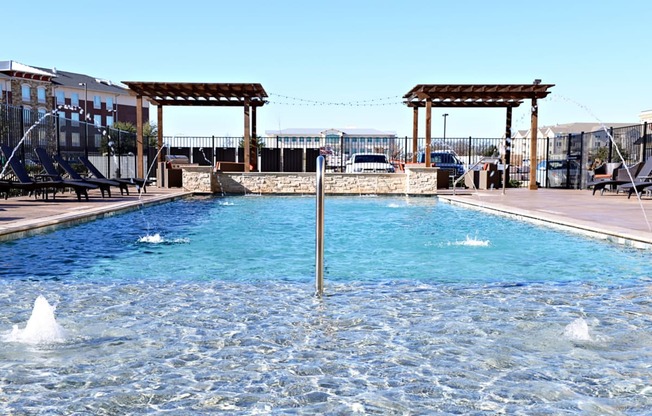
(319, 234)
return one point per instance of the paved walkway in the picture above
(24, 216)
(610, 216)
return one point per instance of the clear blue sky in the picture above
(596, 53)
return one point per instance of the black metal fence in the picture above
(112, 150)
(563, 161)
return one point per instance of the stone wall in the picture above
(415, 181)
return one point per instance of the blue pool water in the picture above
(206, 305)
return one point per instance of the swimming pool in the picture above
(428, 308)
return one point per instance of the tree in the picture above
(123, 137)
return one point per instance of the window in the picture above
(109, 121)
(74, 100)
(62, 138)
(97, 101)
(75, 119)
(0, 91)
(76, 142)
(40, 94)
(41, 112)
(109, 103)
(97, 120)
(98, 140)
(61, 98)
(26, 92)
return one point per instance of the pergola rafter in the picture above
(246, 95)
(477, 96)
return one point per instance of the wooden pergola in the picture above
(478, 96)
(248, 96)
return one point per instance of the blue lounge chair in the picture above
(25, 182)
(642, 180)
(621, 177)
(81, 188)
(104, 184)
(137, 182)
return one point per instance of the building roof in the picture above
(72, 79)
(319, 131)
(574, 128)
(13, 66)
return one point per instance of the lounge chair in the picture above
(606, 171)
(80, 187)
(641, 181)
(104, 184)
(25, 182)
(137, 182)
(621, 177)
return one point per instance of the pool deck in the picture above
(24, 216)
(611, 216)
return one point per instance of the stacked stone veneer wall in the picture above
(415, 181)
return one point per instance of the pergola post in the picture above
(428, 131)
(247, 124)
(415, 133)
(140, 162)
(534, 118)
(159, 157)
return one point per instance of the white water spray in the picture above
(41, 328)
(578, 330)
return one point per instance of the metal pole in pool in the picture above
(319, 235)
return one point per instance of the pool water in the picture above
(206, 305)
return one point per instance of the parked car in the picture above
(368, 163)
(443, 160)
(558, 171)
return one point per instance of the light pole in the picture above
(85, 117)
(445, 115)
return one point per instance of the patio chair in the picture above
(80, 187)
(137, 182)
(26, 183)
(606, 171)
(104, 184)
(641, 181)
(621, 176)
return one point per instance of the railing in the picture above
(319, 234)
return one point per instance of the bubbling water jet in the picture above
(41, 328)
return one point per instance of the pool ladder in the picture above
(319, 234)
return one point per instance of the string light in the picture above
(374, 102)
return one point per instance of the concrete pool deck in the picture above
(610, 216)
(24, 216)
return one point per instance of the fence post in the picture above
(644, 144)
(405, 150)
(582, 163)
(469, 152)
(56, 136)
(611, 140)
